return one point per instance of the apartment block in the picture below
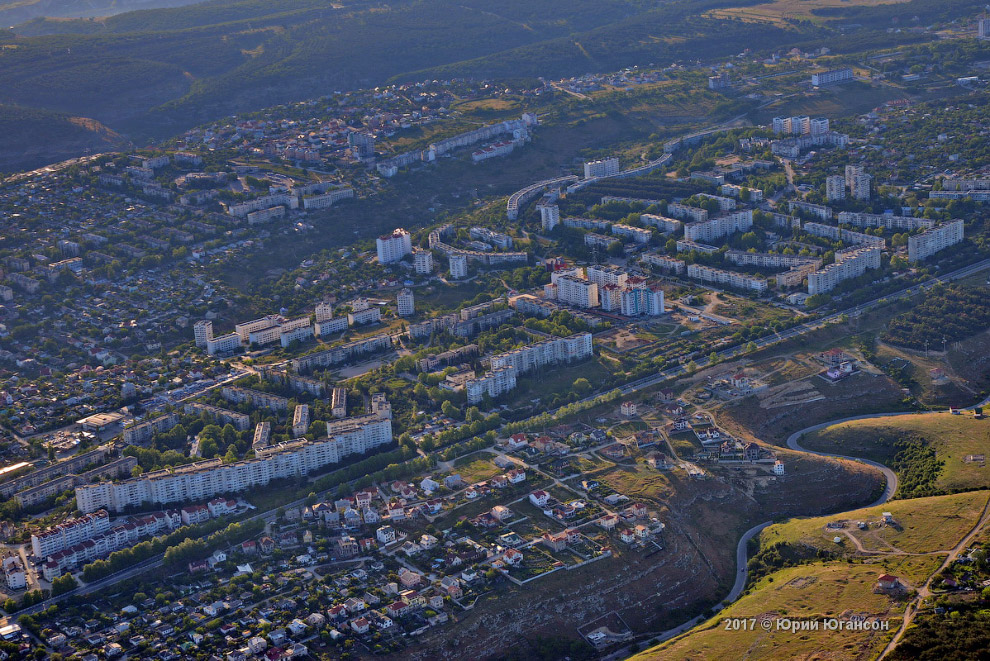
(886, 221)
(362, 317)
(549, 216)
(497, 239)
(262, 435)
(687, 213)
(71, 532)
(637, 234)
(240, 421)
(575, 291)
(206, 479)
(393, 247)
(343, 353)
(458, 267)
(832, 77)
(842, 234)
(606, 274)
(338, 402)
(223, 344)
(924, 245)
(422, 261)
(817, 210)
(405, 303)
(720, 226)
(642, 299)
(300, 420)
(548, 352)
(494, 383)
(256, 398)
(607, 167)
(662, 223)
(142, 433)
(849, 263)
(835, 188)
(730, 278)
(665, 263)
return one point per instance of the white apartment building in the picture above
(393, 247)
(662, 223)
(288, 336)
(548, 352)
(245, 329)
(886, 221)
(731, 278)
(223, 344)
(205, 479)
(849, 263)
(685, 212)
(642, 299)
(330, 326)
(203, 332)
(610, 297)
(324, 311)
(549, 216)
(458, 267)
(842, 234)
(497, 382)
(422, 261)
(724, 203)
(755, 194)
(606, 167)
(265, 215)
(327, 200)
(405, 303)
(768, 259)
(861, 186)
(575, 291)
(924, 245)
(831, 77)
(300, 420)
(497, 239)
(264, 336)
(983, 28)
(606, 274)
(71, 532)
(143, 432)
(715, 228)
(817, 210)
(835, 188)
(665, 263)
(637, 234)
(365, 316)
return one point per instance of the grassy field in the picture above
(953, 437)
(810, 591)
(916, 523)
(475, 468)
(780, 12)
(639, 481)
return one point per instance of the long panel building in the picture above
(924, 245)
(206, 479)
(849, 263)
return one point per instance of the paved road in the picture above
(632, 387)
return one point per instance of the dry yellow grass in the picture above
(779, 12)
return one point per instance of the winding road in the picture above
(890, 488)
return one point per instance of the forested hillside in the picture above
(155, 73)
